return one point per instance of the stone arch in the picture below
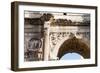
(74, 45)
(57, 46)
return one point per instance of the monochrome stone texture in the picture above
(50, 35)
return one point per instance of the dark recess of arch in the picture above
(74, 45)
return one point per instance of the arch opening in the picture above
(74, 45)
(71, 56)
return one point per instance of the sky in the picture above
(71, 56)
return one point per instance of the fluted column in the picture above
(46, 41)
